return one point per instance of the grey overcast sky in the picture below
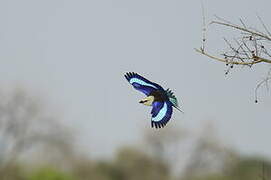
(74, 53)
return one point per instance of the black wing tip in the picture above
(129, 75)
(158, 125)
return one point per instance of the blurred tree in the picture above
(14, 172)
(134, 164)
(208, 155)
(105, 170)
(212, 160)
(165, 145)
(251, 168)
(83, 167)
(24, 127)
(128, 164)
(248, 168)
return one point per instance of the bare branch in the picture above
(249, 48)
(256, 59)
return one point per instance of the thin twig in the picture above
(242, 29)
(243, 23)
(265, 28)
(203, 27)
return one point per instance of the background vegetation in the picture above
(35, 145)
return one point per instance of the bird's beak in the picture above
(147, 101)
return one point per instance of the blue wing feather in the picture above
(142, 84)
(161, 113)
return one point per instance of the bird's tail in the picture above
(178, 109)
(173, 99)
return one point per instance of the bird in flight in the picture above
(161, 100)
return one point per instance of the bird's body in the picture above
(161, 100)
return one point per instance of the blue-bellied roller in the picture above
(161, 100)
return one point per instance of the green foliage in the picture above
(49, 174)
(131, 164)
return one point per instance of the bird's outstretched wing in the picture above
(142, 84)
(161, 113)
